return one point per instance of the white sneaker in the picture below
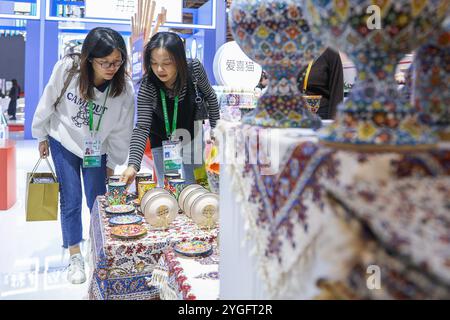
(75, 273)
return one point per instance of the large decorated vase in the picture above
(376, 34)
(275, 34)
(431, 94)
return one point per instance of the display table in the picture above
(7, 174)
(120, 267)
(281, 235)
(187, 278)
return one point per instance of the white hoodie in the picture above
(69, 123)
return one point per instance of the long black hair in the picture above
(99, 43)
(174, 45)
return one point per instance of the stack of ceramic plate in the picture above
(159, 208)
(200, 205)
(185, 193)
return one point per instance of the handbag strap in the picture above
(70, 76)
(36, 167)
(198, 98)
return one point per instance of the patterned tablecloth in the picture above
(403, 234)
(120, 267)
(186, 278)
(296, 237)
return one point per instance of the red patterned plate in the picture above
(128, 231)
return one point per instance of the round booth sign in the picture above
(232, 67)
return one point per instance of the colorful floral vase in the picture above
(117, 193)
(376, 35)
(430, 93)
(275, 34)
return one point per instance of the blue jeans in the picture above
(67, 166)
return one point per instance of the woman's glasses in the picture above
(107, 65)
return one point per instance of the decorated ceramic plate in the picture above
(193, 248)
(128, 231)
(125, 219)
(120, 209)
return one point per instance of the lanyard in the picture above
(166, 116)
(91, 114)
(308, 71)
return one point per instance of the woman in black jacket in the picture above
(13, 95)
(326, 78)
(166, 90)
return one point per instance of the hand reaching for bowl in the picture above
(128, 175)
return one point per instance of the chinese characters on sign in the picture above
(239, 65)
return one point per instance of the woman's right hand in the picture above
(128, 175)
(43, 149)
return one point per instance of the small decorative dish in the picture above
(128, 231)
(193, 248)
(120, 209)
(125, 219)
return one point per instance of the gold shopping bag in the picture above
(42, 195)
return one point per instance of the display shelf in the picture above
(52, 13)
(34, 10)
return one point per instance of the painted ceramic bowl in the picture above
(117, 193)
(144, 186)
(142, 177)
(276, 35)
(176, 186)
(376, 37)
(312, 102)
(170, 176)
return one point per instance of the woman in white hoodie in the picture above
(88, 104)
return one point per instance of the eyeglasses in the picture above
(107, 65)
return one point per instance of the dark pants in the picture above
(12, 107)
(67, 166)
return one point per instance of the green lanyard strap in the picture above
(91, 114)
(166, 116)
